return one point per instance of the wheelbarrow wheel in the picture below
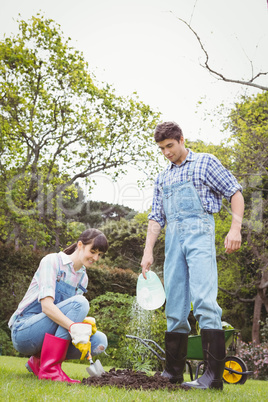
(236, 364)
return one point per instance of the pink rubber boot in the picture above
(52, 355)
(33, 364)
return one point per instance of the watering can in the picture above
(150, 291)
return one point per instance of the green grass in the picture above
(17, 384)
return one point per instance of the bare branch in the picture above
(250, 83)
(236, 295)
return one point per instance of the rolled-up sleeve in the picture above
(47, 276)
(221, 180)
(157, 214)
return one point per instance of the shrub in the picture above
(6, 346)
(118, 315)
(256, 358)
(112, 313)
(21, 266)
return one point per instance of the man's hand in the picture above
(232, 241)
(146, 262)
(153, 232)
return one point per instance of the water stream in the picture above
(143, 325)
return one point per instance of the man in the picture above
(186, 195)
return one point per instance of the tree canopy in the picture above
(57, 126)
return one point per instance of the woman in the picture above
(52, 312)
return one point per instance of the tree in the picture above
(126, 240)
(249, 139)
(58, 127)
(96, 213)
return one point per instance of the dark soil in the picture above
(130, 379)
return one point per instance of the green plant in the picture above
(118, 315)
(112, 314)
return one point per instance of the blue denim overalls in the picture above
(30, 327)
(190, 269)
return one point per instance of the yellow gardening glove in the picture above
(85, 348)
(80, 333)
(92, 322)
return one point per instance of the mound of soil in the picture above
(130, 379)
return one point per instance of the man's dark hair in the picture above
(166, 130)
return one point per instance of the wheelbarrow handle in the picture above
(156, 344)
(238, 372)
(144, 342)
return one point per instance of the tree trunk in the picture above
(256, 318)
(17, 237)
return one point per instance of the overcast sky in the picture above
(140, 45)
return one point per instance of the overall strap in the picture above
(60, 273)
(84, 290)
(63, 273)
(191, 169)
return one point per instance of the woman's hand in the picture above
(80, 333)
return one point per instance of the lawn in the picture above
(17, 384)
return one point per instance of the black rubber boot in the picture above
(176, 352)
(213, 344)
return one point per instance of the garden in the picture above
(45, 186)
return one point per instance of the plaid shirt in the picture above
(210, 178)
(44, 281)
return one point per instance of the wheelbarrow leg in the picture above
(190, 370)
(176, 351)
(197, 369)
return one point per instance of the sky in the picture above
(141, 46)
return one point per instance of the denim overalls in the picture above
(30, 327)
(190, 269)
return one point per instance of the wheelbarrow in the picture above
(235, 371)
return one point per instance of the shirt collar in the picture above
(67, 260)
(189, 158)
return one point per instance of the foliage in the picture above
(6, 346)
(256, 358)
(145, 325)
(112, 313)
(58, 127)
(264, 330)
(223, 153)
(103, 279)
(118, 315)
(17, 270)
(126, 243)
(97, 213)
